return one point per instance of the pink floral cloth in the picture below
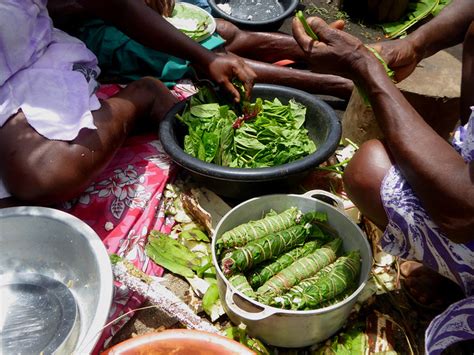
(123, 205)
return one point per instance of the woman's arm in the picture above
(445, 30)
(436, 172)
(146, 26)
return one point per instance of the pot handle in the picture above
(337, 201)
(229, 300)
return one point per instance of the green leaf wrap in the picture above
(339, 279)
(285, 300)
(247, 232)
(241, 284)
(264, 272)
(264, 249)
(299, 270)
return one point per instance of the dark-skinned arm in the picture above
(146, 26)
(437, 173)
(445, 30)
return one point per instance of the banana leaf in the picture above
(336, 282)
(417, 11)
(264, 272)
(170, 254)
(299, 270)
(264, 249)
(244, 233)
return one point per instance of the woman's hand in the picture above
(400, 55)
(225, 67)
(336, 52)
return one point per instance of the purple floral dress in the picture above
(412, 235)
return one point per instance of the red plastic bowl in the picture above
(179, 342)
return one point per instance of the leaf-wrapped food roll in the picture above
(247, 232)
(264, 249)
(241, 284)
(299, 270)
(264, 272)
(345, 272)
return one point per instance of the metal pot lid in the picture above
(38, 314)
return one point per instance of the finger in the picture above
(231, 89)
(247, 77)
(300, 35)
(321, 28)
(338, 25)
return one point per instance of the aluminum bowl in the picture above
(323, 128)
(289, 328)
(249, 11)
(56, 282)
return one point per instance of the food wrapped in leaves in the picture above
(241, 284)
(285, 300)
(264, 272)
(342, 277)
(264, 249)
(247, 232)
(299, 270)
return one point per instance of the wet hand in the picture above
(226, 67)
(400, 55)
(336, 52)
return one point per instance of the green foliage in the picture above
(268, 133)
(172, 255)
(417, 11)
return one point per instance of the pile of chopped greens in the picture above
(266, 133)
(192, 22)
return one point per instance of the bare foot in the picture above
(427, 287)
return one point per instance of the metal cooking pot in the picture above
(288, 328)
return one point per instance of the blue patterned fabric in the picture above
(412, 235)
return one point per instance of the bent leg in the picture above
(363, 178)
(42, 171)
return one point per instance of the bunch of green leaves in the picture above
(185, 12)
(352, 341)
(417, 11)
(275, 136)
(172, 255)
(240, 334)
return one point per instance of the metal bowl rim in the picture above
(285, 14)
(280, 311)
(102, 258)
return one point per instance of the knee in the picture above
(227, 30)
(48, 183)
(367, 168)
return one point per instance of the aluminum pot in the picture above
(289, 328)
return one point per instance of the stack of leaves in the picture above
(289, 260)
(191, 21)
(267, 133)
(417, 11)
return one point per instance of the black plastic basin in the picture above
(323, 128)
(272, 23)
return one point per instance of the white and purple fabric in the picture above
(46, 73)
(42, 72)
(412, 235)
